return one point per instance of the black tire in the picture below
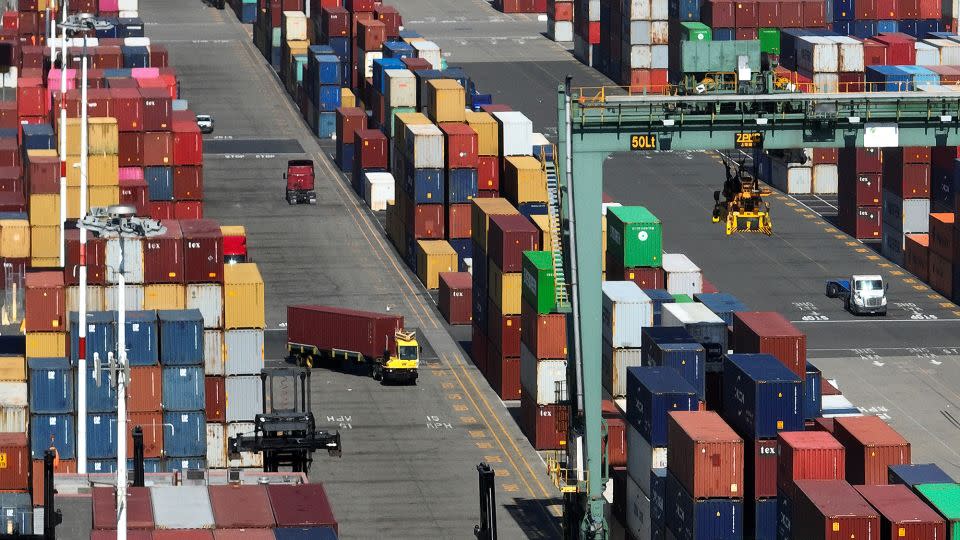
(831, 291)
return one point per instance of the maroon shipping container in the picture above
(503, 330)
(159, 56)
(46, 302)
(335, 22)
(96, 258)
(768, 13)
(860, 160)
(706, 455)
(479, 346)
(304, 505)
(349, 121)
(488, 173)
(866, 188)
(9, 152)
(157, 109)
(357, 18)
(863, 222)
(136, 534)
(808, 455)
(615, 445)
(358, 6)
(864, 9)
(509, 237)
(11, 180)
(135, 192)
(914, 154)
(8, 115)
(130, 147)
(828, 509)
(814, 13)
(902, 513)
(145, 389)
(43, 175)
(540, 422)
(760, 469)
(428, 221)
(871, 446)
(461, 146)
(15, 475)
(746, 33)
(370, 149)
(157, 149)
(243, 534)
(458, 221)
(188, 183)
(139, 508)
(183, 534)
(874, 53)
(163, 255)
(791, 14)
(240, 506)
(645, 278)
(769, 332)
(12, 201)
(31, 97)
(745, 14)
(391, 19)
(719, 13)
(825, 156)
(202, 251)
(152, 425)
(99, 103)
(905, 174)
(187, 144)
(417, 64)
(188, 210)
(887, 9)
(216, 398)
(371, 35)
(900, 47)
(503, 373)
(328, 328)
(456, 296)
(544, 335)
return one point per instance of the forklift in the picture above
(742, 208)
(286, 432)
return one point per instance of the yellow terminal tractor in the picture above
(742, 207)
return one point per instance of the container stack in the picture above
(462, 185)
(321, 87)
(634, 247)
(586, 30)
(905, 197)
(626, 312)
(394, 86)
(560, 20)
(370, 156)
(940, 260)
(521, 6)
(333, 26)
(181, 339)
(859, 210)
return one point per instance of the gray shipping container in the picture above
(244, 398)
(213, 352)
(614, 368)
(910, 216)
(626, 310)
(208, 298)
(704, 325)
(132, 297)
(181, 507)
(243, 352)
(132, 259)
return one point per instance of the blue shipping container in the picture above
(425, 186)
(784, 515)
(103, 466)
(150, 465)
(702, 519)
(159, 183)
(101, 436)
(761, 396)
(328, 98)
(181, 337)
(55, 430)
(304, 533)
(723, 304)
(887, 26)
(113, 31)
(652, 393)
(17, 513)
(461, 185)
(325, 69)
(921, 76)
(326, 125)
(918, 473)
(685, 10)
(812, 393)
(659, 297)
(477, 100)
(185, 433)
(458, 74)
(864, 29)
(724, 34)
(530, 209)
(381, 64)
(843, 27)
(119, 73)
(103, 398)
(398, 49)
(184, 463)
(341, 49)
(464, 249)
(51, 385)
(142, 334)
(658, 496)
(762, 519)
(889, 78)
(38, 137)
(183, 389)
(135, 57)
(688, 359)
(843, 11)
(101, 335)
(344, 157)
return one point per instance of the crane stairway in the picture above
(553, 213)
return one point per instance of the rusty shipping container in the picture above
(152, 425)
(871, 446)
(327, 328)
(903, 514)
(828, 509)
(706, 455)
(808, 455)
(769, 332)
(216, 398)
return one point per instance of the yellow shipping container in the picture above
(347, 99)
(46, 344)
(103, 196)
(95, 299)
(233, 230)
(298, 46)
(412, 39)
(73, 202)
(243, 302)
(401, 121)
(102, 170)
(45, 262)
(542, 222)
(603, 242)
(45, 209)
(102, 136)
(447, 101)
(488, 132)
(480, 217)
(14, 238)
(45, 241)
(13, 368)
(504, 289)
(524, 180)
(164, 296)
(433, 257)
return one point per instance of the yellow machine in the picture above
(407, 361)
(742, 208)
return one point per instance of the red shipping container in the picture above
(187, 144)
(908, 9)
(45, 302)
(371, 35)
(216, 398)
(867, 187)
(479, 346)
(649, 79)
(825, 156)
(157, 149)
(370, 149)
(871, 445)
(461, 146)
(769, 332)
(31, 97)
(544, 335)
(791, 14)
(241, 506)
(357, 6)
(745, 14)
(943, 235)
(163, 256)
(349, 121)
(427, 220)
(706, 455)
(503, 331)
(495, 107)
(367, 333)
(188, 209)
(8, 115)
(915, 154)
(615, 445)
(458, 221)
(808, 455)
(11, 201)
(719, 13)
(11, 181)
(864, 9)
(152, 425)
(916, 254)
(145, 389)
(814, 13)
(949, 75)
(188, 183)
(851, 82)
(359, 16)
(488, 173)
(456, 297)
(63, 466)
(43, 175)
(15, 474)
(508, 238)
(827, 509)
(905, 179)
(862, 222)
(159, 56)
(760, 469)
(902, 513)
(157, 109)
(900, 47)
(593, 33)
(139, 508)
(768, 13)
(887, 9)
(99, 103)
(540, 423)
(503, 374)
(203, 251)
(107, 57)
(135, 192)
(417, 64)
(562, 11)
(33, 56)
(301, 505)
(96, 258)
(391, 19)
(182, 534)
(130, 147)
(335, 22)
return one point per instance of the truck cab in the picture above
(861, 293)
(405, 364)
(300, 181)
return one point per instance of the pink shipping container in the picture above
(706, 455)
(903, 514)
(808, 455)
(872, 446)
(328, 328)
(829, 509)
(769, 332)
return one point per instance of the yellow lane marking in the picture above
(840, 236)
(853, 243)
(885, 265)
(485, 446)
(468, 420)
(946, 304)
(454, 397)
(829, 230)
(460, 408)
(510, 488)
(909, 280)
(501, 472)
(873, 257)
(477, 433)
(920, 287)
(861, 250)
(493, 459)
(896, 272)
(791, 204)
(447, 385)
(957, 313)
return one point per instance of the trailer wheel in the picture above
(832, 291)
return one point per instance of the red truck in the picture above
(300, 180)
(322, 334)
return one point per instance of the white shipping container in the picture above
(244, 397)
(208, 298)
(639, 33)
(94, 298)
(789, 178)
(641, 57)
(132, 259)
(540, 377)
(401, 88)
(949, 51)
(683, 277)
(128, 5)
(637, 507)
(593, 10)
(659, 56)
(295, 25)
(838, 406)
(368, 58)
(927, 55)
(133, 297)
(910, 216)
(424, 146)
(135, 42)
(560, 31)
(826, 82)
(9, 79)
(687, 313)
(379, 190)
(643, 458)
(429, 51)
(613, 368)
(626, 311)
(892, 243)
(216, 446)
(246, 459)
(516, 133)
(13, 407)
(851, 54)
(636, 10)
(243, 352)
(825, 179)
(213, 352)
(659, 10)
(817, 54)
(129, 14)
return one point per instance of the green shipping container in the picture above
(769, 40)
(539, 281)
(695, 31)
(945, 499)
(682, 299)
(634, 235)
(717, 56)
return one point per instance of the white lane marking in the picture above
(871, 321)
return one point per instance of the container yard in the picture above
(428, 254)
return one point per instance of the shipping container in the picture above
(724, 305)
(945, 499)
(51, 385)
(701, 519)
(634, 236)
(182, 507)
(706, 455)
(682, 276)
(455, 297)
(139, 508)
(539, 286)
(242, 352)
(243, 296)
(515, 133)
(141, 338)
(45, 302)
(902, 513)
(13, 407)
(761, 397)
(871, 446)
(304, 505)
(483, 210)
(914, 474)
(822, 509)
(183, 390)
(706, 327)
(504, 289)
(185, 433)
(241, 506)
(544, 335)
(771, 333)
(643, 459)
(244, 398)
(181, 337)
(808, 455)
(167, 296)
(626, 311)
(328, 328)
(163, 255)
(246, 459)
(145, 389)
(542, 379)
(15, 451)
(613, 366)
(652, 393)
(56, 430)
(541, 422)
(203, 250)
(101, 439)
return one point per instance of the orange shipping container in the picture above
(942, 236)
(871, 446)
(706, 455)
(144, 391)
(152, 425)
(14, 462)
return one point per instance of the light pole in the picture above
(119, 221)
